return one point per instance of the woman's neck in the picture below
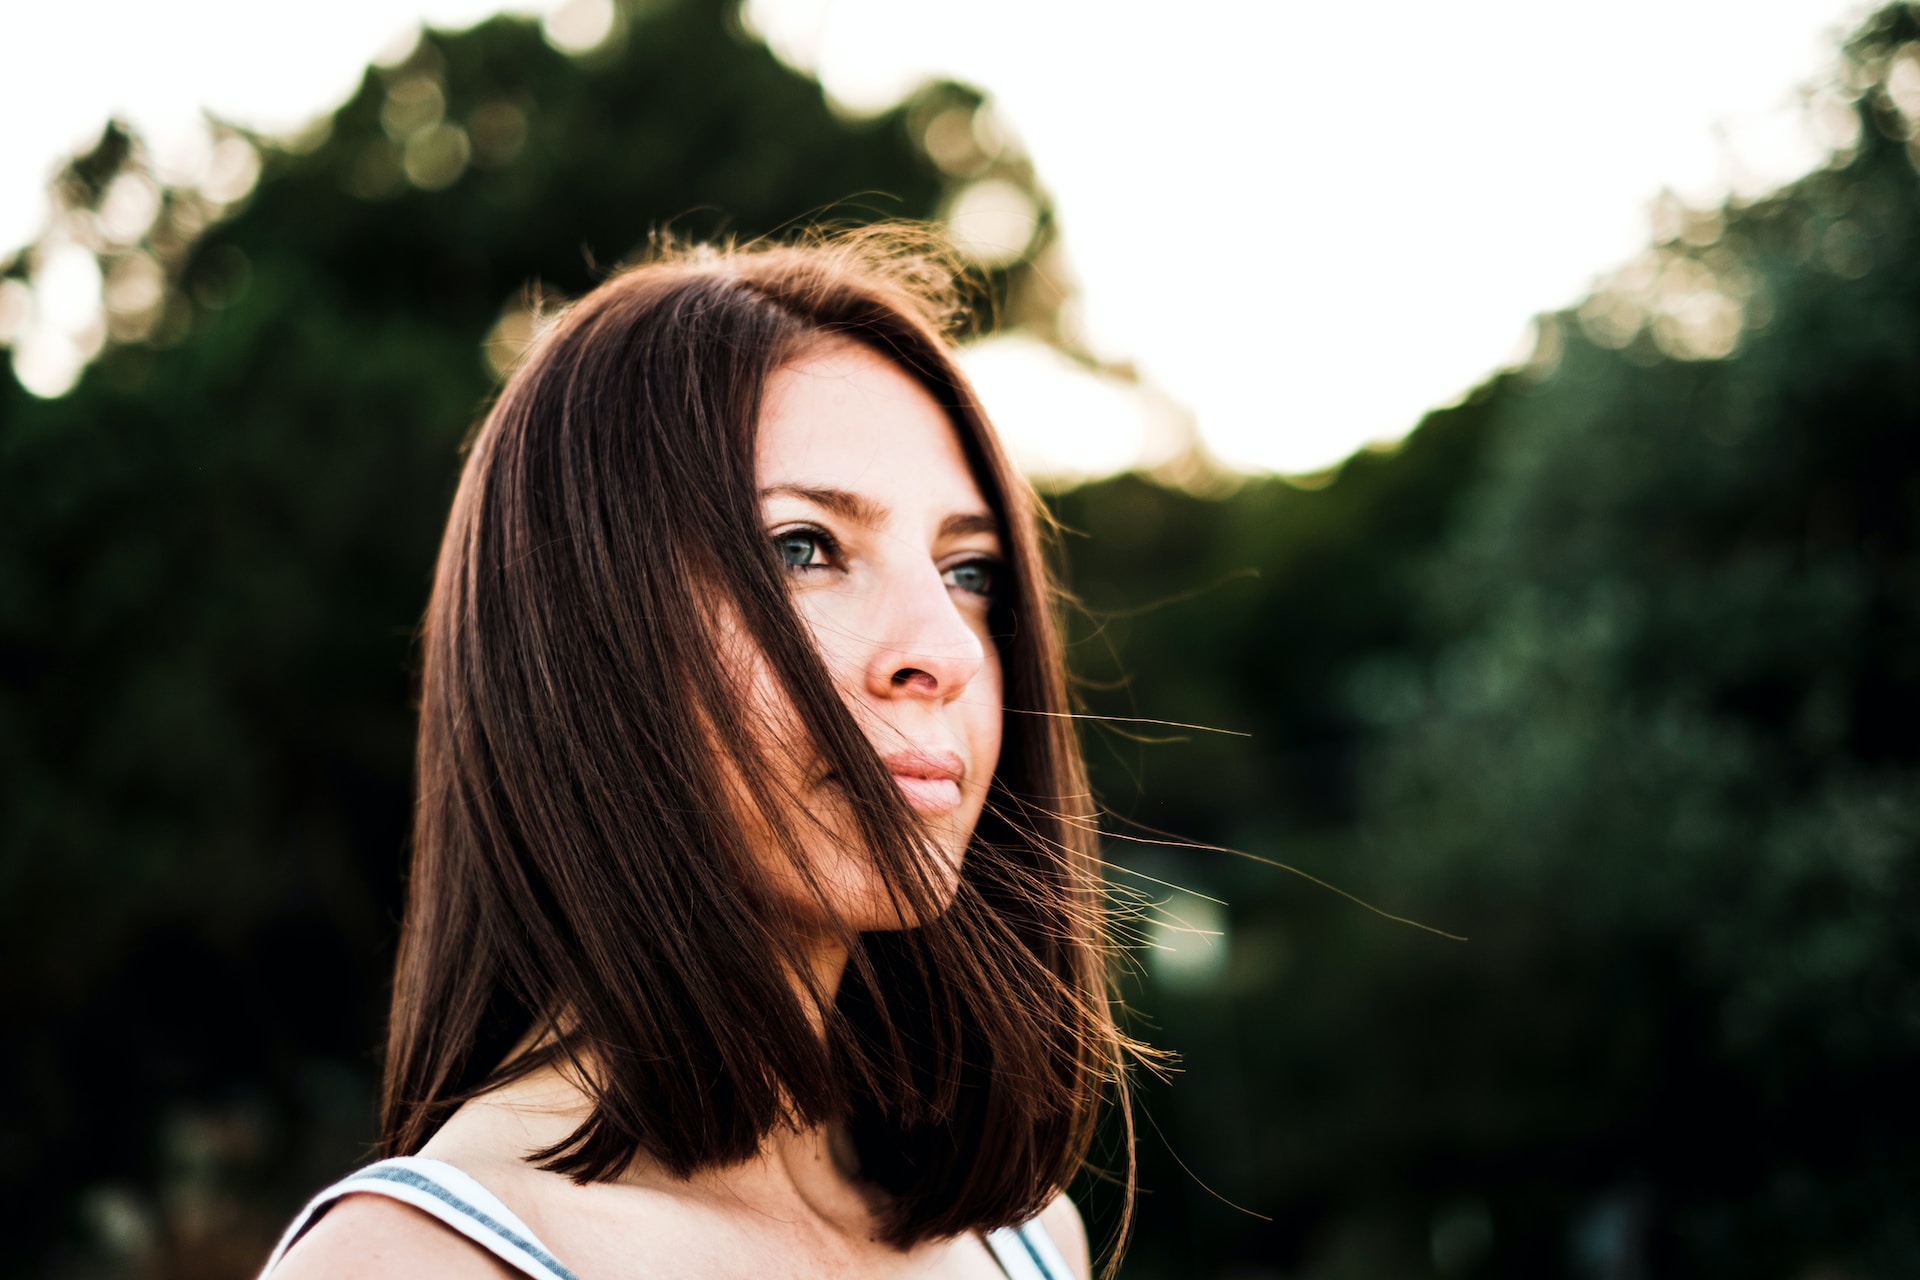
(826, 961)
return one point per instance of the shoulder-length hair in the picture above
(582, 890)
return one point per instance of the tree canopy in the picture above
(1610, 668)
(216, 548)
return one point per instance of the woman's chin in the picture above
(879, 913)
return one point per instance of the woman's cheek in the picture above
(836, 628)
(986, 720)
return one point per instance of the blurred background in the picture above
(1611, 664)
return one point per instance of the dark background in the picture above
(1613, 668)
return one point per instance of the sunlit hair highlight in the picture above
(581, 880)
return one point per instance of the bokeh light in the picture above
(1061, 420)
(993, 222)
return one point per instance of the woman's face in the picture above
(892, 554)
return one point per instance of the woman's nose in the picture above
(924, 646)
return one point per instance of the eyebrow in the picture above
(863, 510)
(972, 522)
(844, 503)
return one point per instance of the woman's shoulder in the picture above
(413, 1215)
(376, 1237)
(373, 1236)
(1063, 1226)
(466, 1209)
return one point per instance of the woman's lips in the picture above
(929, 795)
(930, 780)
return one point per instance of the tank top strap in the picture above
(1028, 1253)
(456, 1199)
(446, 1193)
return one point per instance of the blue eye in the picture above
(972, 576)
(801, 548)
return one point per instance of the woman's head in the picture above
(734, 591)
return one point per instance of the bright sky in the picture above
(1306, 222)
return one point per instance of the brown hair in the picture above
(581, 882)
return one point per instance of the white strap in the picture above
(1028, 1253)
(445, 1193)
(456, 1199)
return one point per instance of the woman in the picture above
(753, 926)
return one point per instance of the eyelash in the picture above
(829, 549)
(823, 541)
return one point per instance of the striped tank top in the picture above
(441, 1191)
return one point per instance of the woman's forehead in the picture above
(842, 419)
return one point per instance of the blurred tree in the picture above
(1614, 668)
(214, 551)
(1610, 667)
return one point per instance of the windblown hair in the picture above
(583, 889)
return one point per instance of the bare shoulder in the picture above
(1069, 1234)
(374, 1237)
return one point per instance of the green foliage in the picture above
(1612, 668)
(1632, 707)
(215, 551)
